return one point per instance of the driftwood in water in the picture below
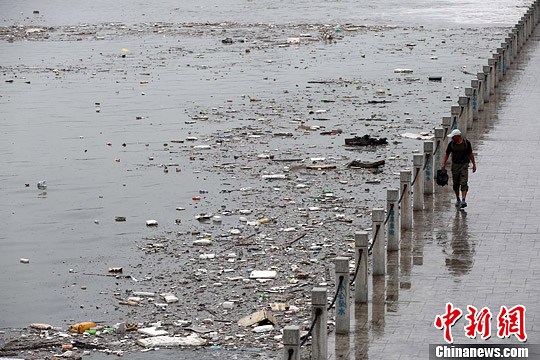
(320, 167)
(360, 164)
(365, 140)
(28, 344)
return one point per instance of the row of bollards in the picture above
(418, 183)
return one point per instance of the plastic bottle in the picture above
(82, 327)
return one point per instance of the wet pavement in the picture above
(485, 256)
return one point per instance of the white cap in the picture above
(454, 132)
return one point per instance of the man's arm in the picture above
(471, 156)
(445, 159)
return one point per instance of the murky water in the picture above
(148, 85)
(388, 12)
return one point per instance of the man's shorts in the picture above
(460, 176)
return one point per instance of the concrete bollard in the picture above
(507, 55)
(418, 196)
(492, 62)
(509, 51)
(428, 168)
(343, 309)
(518, 38)
(475, 98)
(463, 119)
(493, 83)
(518, 33)
(488, 70)
(405, 177)
(470, 93)
(439, 149)
(319, 341)
(499, 65)
(482, 82)
(361, 240)
(527, 23)
(379, 253)
(291, 343)
(521, 28)
(446, 124)
(455, 110)
(515, 45)
(502, 61)
(392, 225)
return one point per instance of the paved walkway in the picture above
(486, 256)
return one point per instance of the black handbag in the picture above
(442, 177)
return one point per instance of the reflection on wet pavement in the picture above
(460, 253)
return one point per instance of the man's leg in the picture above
(456, 180)
(464, 187)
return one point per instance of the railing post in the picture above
(492, 76)
(439, 150)
(405, 178)
(502, 61)
(343, 309)
(521, 26)
(529, 23)
(361, 239)
(477, 100)
(446, 124)
(471, 106)
(523, 30)
(481, 76)
(509, 50)
(515, 43)
(392, 225)
(379, 253)
(487, 82)
(455, 110)
(428, 167)
(319, 341)
(291, 343)
(418, 196)
(463, 119)
(494, 63)
(517, 40)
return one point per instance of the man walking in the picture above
(462, 154)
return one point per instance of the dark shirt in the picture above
(460, 152)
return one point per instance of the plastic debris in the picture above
(263, 274)
(274, 176)
(420, 136)
(263, 328)
(202, 242)
(159, 341)
(261, 317)
(403, 71)
(40, 326)
(152, 331)
(169, 298)
(81, 327)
